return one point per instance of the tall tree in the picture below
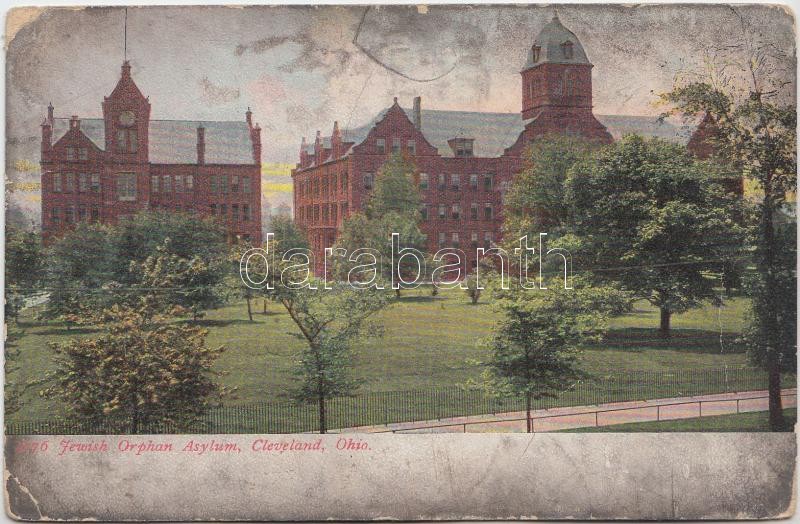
(747, 95)
(145, 370)
(655, 220)
(23, 269)
(536, 345)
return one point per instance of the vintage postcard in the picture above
(400, 262)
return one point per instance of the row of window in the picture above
(238, 213)
(164, 183)
(475, 181)
(72, 214)
(560, 85)
(323, 186)
(77, 154)
(233, 184)
(66, 183)
(380, 146)
(455, 240)
(455, 211)
(127, 141)
(324, 213)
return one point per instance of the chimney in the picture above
(336, 140)
(249, 117)
(74, 122)
(47, 137)
(201, 146)
(50, 110)
(256, 134)
(303, 154)
(418, 112)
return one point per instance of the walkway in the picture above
(588, 416)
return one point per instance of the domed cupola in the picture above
(557, 73)
(556, 44)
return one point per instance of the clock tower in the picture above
(126, 112)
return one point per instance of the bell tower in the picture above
(126, 112)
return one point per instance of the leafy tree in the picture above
(536, 201)
(144, 370)
(536, 345)
(393, 207)
(473, 291)
(23, 269)
(746, 95)
(652, 218)
(329, 320)
(287, 235)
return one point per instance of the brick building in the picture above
(465, 159)
(104, 169)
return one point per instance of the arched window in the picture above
(566, 49)
(535, 50)
(569, 83)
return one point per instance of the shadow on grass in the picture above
(689, 340)
(413, 299)
(208, 322)
(62, 331)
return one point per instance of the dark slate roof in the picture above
(175, 141)
(494, 132)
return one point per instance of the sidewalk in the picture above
(589, 416)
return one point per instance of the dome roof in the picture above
(556, 44)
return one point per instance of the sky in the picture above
(300, 68)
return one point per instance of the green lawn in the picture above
(428, 342)
(743, 422)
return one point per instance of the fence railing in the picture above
(387, 407)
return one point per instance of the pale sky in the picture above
(299, 69)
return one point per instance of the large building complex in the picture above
(465, 159)
(104, 169)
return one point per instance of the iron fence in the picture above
(388, 407)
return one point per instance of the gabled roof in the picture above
(494, 132)
(175, 141)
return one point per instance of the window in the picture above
(126, 187)
(246, 185)
(442, 182)
(334, 213)
(213, 209)
(69, 216)
(167, 183)
(223, 210)
(235, 212)
(154, 183)
(95, 214)
(55, 215)
(473, 239)
(569, 88)
(566, 49)
(424, 211)
(395, 145)
(535, 52)
(488, 212)
(473, 211)
(83, 154)
(127, 141)
(380, 146)
(462, 147)
(455, 239)
(455, 182)
(223, 182)
(234, 183)
(81, 214)
(95, 183)
(56, 182)
(424, 180)
(368, 181)
(473, 182)
(488, 182)
(70, 183)
(487, 239)
(557, 86)
(70, 154)
(442, 211)
(83, 183)
(189, 182)
(179, 183)
(214, 184)
(442, 239)
(246, 212)
(411, 145)
(132, 141)
(456, 211)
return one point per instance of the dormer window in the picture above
(462, 147)
(535, 52)
(566, 50)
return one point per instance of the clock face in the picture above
(127, 118)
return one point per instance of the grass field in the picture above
(428, 342)
(757, 421)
